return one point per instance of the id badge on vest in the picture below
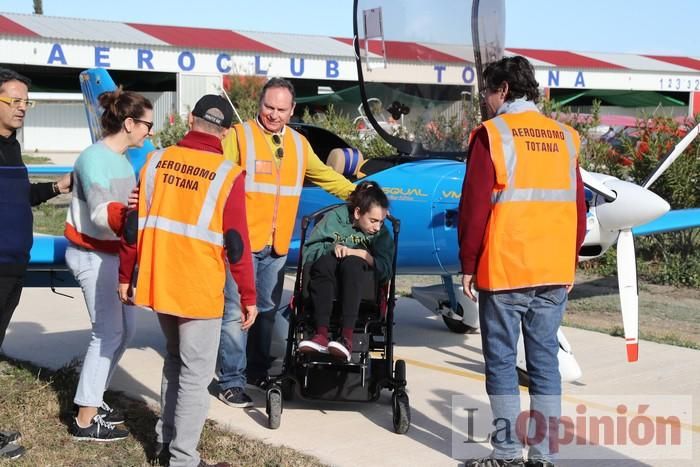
(263, 167)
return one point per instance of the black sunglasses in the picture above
(277, 140)
(148, 124)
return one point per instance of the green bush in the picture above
(244, 92)
(450, 134)
(172, 132)
(342, 125)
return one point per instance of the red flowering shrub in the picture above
(669, 258)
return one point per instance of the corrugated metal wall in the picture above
(164, 104)
(61, 126)
(58, 126)
(191, 87)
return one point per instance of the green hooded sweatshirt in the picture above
(336, 228)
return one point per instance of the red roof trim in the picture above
(203, 38)
(680, 61)
(7, 26)
(565, 59)
(406, 51)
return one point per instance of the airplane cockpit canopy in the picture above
(432, 43)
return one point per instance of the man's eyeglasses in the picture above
(277, 140)
(16, 102)
(148, 124)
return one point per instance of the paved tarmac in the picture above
(444, 370)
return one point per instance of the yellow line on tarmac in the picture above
(479, 377)
(442, 369)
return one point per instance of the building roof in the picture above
(47, 27)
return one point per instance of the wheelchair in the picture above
(371, 367)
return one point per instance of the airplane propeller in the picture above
(629, 298)
(629, 205)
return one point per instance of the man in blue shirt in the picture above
(18, 196)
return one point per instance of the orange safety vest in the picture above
(181, 266)
(530, 237)
(271, 192)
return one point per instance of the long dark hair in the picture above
(366, 195)
(119, 105)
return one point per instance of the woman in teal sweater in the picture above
(350, 250)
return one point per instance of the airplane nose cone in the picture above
(633, 206)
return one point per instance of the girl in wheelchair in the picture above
(350, 251)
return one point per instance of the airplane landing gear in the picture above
(459, 314)
(454, 321)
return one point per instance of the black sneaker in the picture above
(110, 415)
(162, 453)
(235, 397)
(11, 451)
(98, 430)
(491, 462)
(9, 437)
(539, 463)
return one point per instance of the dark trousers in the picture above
(258, 346)
(10, 291)
(349, 279)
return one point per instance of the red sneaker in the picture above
(317, 344)
(340, 349)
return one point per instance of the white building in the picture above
(175, 65)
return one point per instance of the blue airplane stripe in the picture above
(47, 169)
(671, 221)
(48, 249)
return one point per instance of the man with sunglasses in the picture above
(18, 196)
(276, 159)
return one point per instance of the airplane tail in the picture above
(94, 82)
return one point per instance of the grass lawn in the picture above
(39, 403)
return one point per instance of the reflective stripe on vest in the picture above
(510, 193)
(151, 170)
(199, 231)
(251, 186)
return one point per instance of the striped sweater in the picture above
(102, 182)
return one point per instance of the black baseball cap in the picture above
(204, 106)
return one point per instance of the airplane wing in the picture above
(671, 221)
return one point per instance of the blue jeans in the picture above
(247, 354)
(113, 323)
(539, 311)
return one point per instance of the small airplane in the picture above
(424, 185)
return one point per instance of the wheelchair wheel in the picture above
(401, 411)
(274, 408)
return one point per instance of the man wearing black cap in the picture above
(191, 215)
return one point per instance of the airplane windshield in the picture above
(418, 69)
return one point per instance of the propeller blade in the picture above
(629, 300)
(597, 186)
(672, 156)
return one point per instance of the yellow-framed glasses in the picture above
(16, 102)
